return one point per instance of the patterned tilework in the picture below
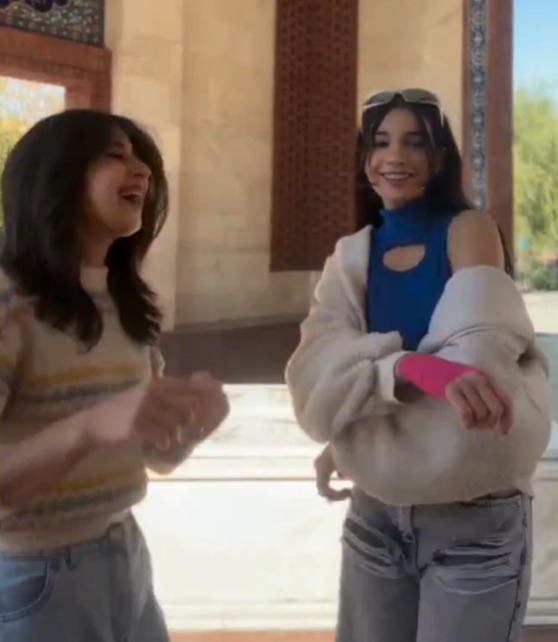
(77, 20)
(477, 99)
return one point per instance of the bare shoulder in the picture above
(474, 240)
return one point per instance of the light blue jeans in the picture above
(451, 573)
(97, 591)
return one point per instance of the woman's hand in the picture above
(480, 403)
(211, 407)
(478, 400)
(163, 412)
(325, 468)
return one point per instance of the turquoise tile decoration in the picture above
(77, 20)
(477, 108)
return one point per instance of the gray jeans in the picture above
(97, 591)
(450, 573)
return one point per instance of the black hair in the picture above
(444, 191)
(43, 187)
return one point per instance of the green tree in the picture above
(11, 129)
(22, 103)
(535, 151)
(29, 101)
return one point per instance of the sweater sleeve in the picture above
(339, 373)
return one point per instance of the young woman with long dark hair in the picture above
(85, 407)
(418, 366)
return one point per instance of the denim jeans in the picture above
(449, 573)
(96, 591)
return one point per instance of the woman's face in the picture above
(398, 167)
(116, 187)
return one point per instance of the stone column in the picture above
(146, 39)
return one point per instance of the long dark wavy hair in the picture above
(444, 191)
(43, 188)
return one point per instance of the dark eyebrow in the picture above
(409, 134)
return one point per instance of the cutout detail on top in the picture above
(403, 259)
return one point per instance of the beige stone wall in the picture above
(147, 43)
(417, 45)
(199, 75)
(227, 111)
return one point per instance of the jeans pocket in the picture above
(491, 545)
(365, 546)
(26, 583)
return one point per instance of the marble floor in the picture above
(540, 635)
(529, 635)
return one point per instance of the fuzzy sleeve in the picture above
(339, 373)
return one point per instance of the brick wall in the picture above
(314, 130)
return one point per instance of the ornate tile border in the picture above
(477, 26)
(488, 108)
(77, 20)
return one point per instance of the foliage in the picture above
(21, 104)
(535, 151)
(542, 277)
(11, 130)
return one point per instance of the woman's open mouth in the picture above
(396, 179)
(134, 197)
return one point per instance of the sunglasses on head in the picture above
(410, 96)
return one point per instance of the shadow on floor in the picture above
(239, 355)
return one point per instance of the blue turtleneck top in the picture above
(404, 301)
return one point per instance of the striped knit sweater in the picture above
(45, 376)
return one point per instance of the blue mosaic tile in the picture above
(478, 100)
(77, 20)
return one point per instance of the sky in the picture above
(535, 43)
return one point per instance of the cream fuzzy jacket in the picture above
(341, 379)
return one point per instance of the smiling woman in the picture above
(116, 188)
(84, 195)
(114, 157)
(399, 168)
(418, 366)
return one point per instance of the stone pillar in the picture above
(146, 39)
(227, 114)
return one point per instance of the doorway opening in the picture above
(22, 104)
